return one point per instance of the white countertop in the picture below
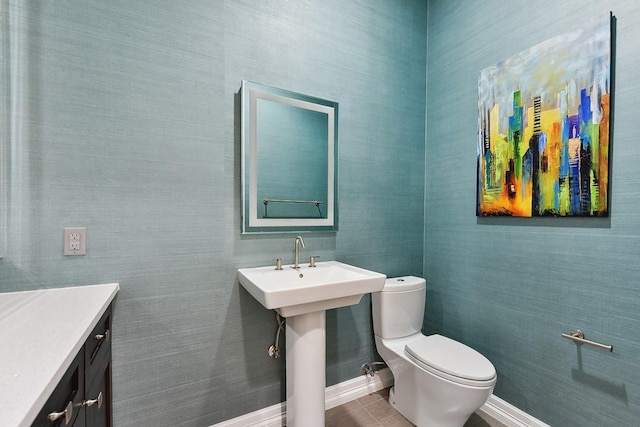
(41, 332)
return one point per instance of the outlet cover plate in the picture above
(75, 241)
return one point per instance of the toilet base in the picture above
(425, 399)
(421, 415)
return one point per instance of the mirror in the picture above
(289, 161)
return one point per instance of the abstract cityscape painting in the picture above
(543, 128)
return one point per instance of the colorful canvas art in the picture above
(543, 128)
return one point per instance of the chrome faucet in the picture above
(299, 242)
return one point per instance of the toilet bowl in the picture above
(438, 382)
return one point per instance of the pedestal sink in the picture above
(302, 296)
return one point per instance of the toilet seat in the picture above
(450, 359)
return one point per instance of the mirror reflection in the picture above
(289, 161)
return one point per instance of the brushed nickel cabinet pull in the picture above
(105, 336)
(67, 413)
(92, 402)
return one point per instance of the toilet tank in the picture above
(398, 310)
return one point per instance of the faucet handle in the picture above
(312, 260)
(278, 263)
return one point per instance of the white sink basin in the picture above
(291, 292)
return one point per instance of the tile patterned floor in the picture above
(374, 410)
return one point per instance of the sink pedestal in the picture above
(306, 356)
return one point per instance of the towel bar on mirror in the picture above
(266, 202)
(578, 336)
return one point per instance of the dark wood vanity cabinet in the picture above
(97, 362)
(66, 399)
(82, 398)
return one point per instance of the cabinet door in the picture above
(98, 407)
(98, 374)
(98, 348)
(65, 402)
(80, 419)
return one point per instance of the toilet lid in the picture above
(451, 357)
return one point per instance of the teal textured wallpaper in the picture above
(124, 119)
(510, 286)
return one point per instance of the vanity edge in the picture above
(41, 335)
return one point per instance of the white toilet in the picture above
(438, 382)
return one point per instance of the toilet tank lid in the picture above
(405, 283)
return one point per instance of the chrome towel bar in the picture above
(313, 202)
(578, 336)
(266, 202)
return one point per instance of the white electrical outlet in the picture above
(75, 241)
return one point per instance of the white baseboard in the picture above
(339, 394)
(349, 390)
(508, 414)
(335, 395)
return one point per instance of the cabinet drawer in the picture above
(69, 389)
(97, 350)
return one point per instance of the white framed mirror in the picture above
(289, 161)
